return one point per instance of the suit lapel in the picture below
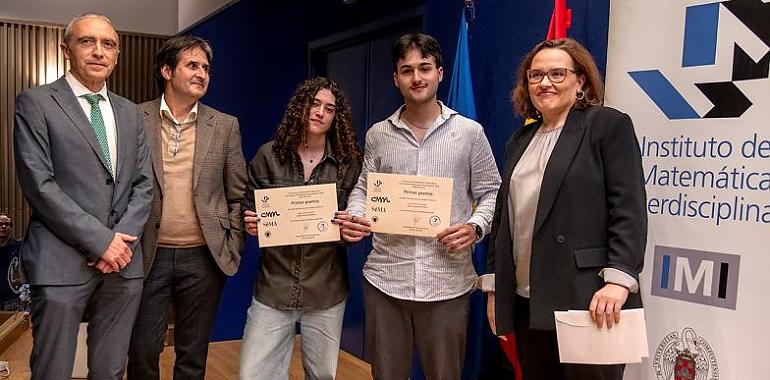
(152, 121)
(203, 134)
(64, 96)
(560, 160)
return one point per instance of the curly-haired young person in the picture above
(315, 144)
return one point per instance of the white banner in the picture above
(693, 75)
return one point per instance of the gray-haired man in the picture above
(84, 168)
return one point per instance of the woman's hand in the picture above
(251, 222)
(491, 311)
(340, 217)
(352, 228)
(491, 314)
(606, 304)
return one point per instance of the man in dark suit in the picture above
(84, 169)
(193, 237)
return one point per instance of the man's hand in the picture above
(251, 222)
(457, 237)
(352, 228)
(103, 267)
(606, 304)
(118, 253)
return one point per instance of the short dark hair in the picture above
(168, 55)
(426, 44)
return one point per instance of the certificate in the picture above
(296, 215)
(408, 204)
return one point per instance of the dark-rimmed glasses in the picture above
(557, 75)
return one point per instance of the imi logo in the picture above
(703, 33)
(703, 277)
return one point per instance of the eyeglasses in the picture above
(557, 75)
(90, 43)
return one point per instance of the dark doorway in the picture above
(359, 60)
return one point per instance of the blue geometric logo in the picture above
(700, 49)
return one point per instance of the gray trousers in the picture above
(109, 301)
(395, 326)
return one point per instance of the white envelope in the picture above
(580, 341)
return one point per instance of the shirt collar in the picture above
(79, 89)
(329, 152)
(446, 113)
(166, 111)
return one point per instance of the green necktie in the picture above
(97, 123)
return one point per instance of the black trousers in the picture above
(110, 302)
(539, 354)
(394, 326)
(190, 280)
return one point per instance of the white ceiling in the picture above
(162, 17)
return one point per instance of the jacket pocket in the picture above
(225, 222)
(591, 257)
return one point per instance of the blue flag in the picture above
(461, 87)
(461, 100)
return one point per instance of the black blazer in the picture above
(590, 215)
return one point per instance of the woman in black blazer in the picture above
(570, 223)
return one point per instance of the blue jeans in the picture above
(268, 341)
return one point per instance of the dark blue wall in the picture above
(503, 32)
(261, 53)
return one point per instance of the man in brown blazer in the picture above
(193, 237)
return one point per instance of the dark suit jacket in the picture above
(77, 204)
(590, 215)
(219, 184)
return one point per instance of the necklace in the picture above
(305, 155)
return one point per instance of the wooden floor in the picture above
(222, 362)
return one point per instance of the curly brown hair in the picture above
(291, 130)
(584, 65)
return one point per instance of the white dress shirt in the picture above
(107, 113)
